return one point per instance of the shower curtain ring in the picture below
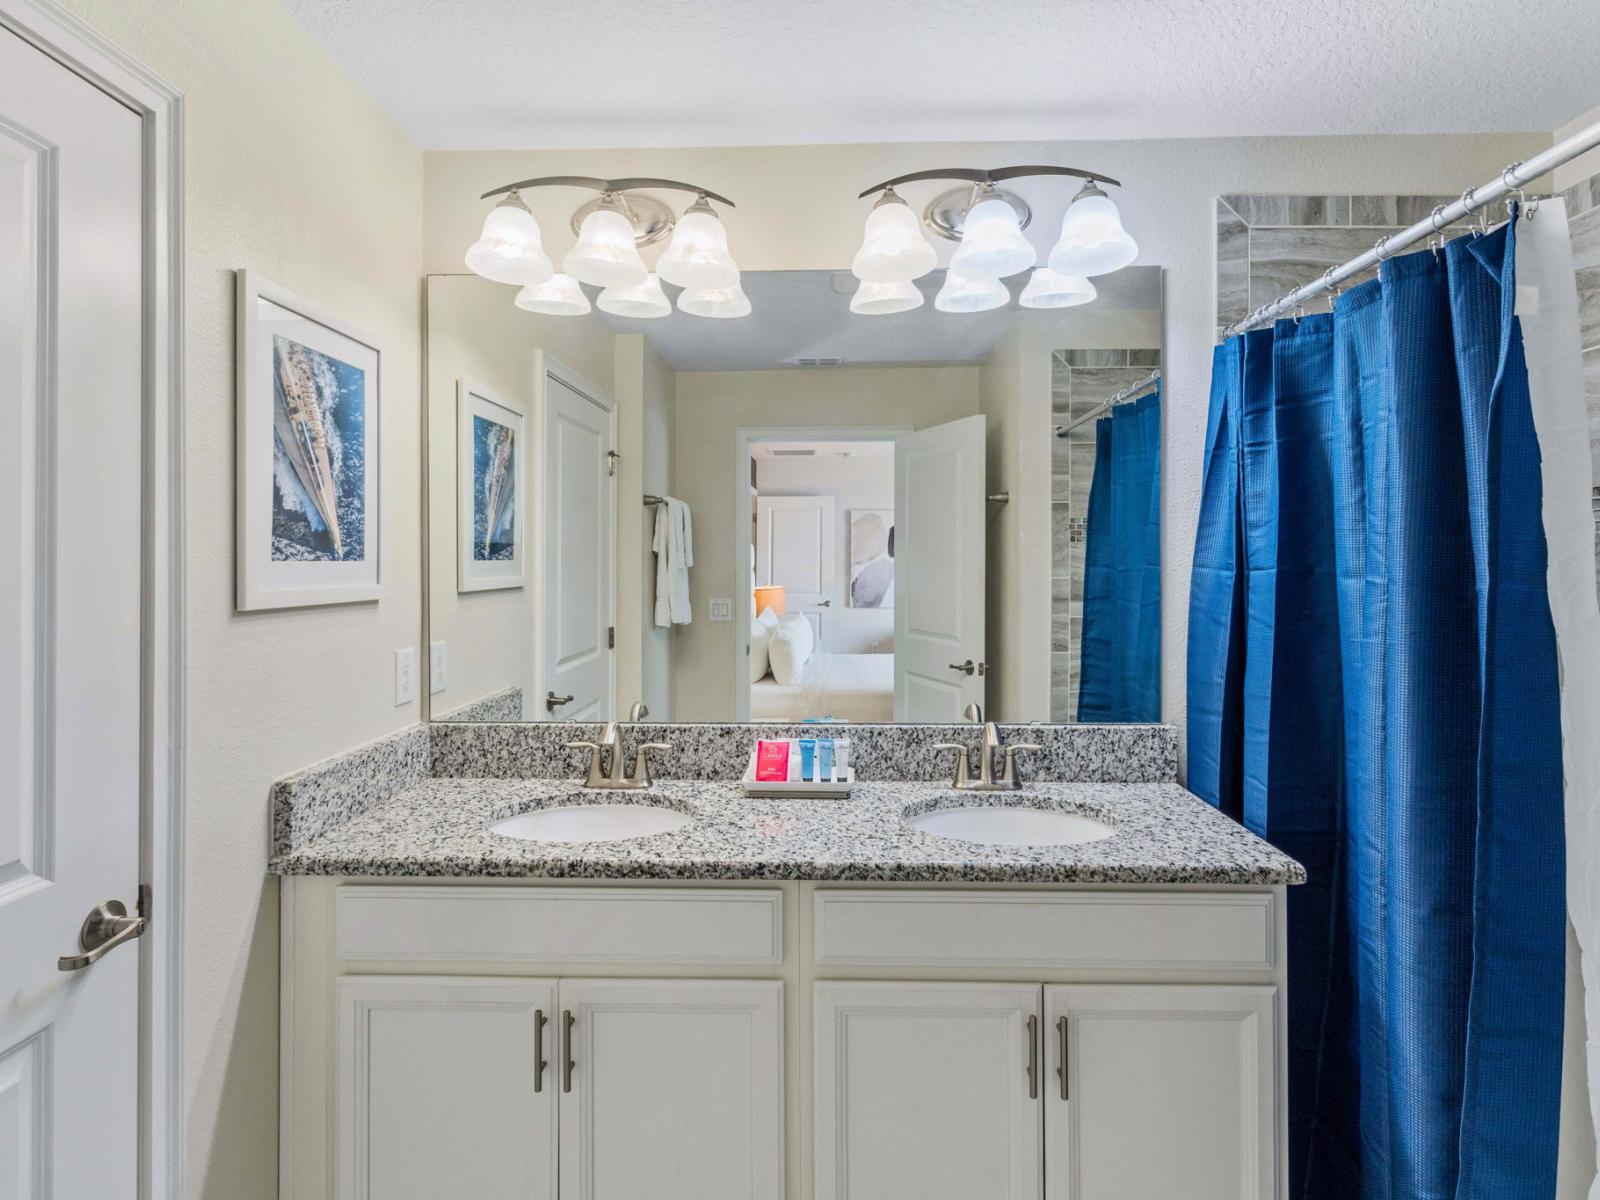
(1330, 287)
(1436, 242)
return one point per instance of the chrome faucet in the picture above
(610, 746)
(987, 781)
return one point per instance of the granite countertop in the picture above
(440, 827)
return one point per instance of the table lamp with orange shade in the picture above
(770, 596)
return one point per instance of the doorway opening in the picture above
(820, 575)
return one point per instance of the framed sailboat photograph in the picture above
(490, 505)
(307, 446)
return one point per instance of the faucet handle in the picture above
(963, 762)
(1008, 773)
(641, 760)
(594, 760)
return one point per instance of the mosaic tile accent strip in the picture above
(308, 803)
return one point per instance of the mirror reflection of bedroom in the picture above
(822, 570)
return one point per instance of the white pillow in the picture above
(760, 631)
(789, 648)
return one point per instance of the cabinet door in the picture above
(441, 1090)
(1168, 1091)
(671, 1089)
(927, 1090)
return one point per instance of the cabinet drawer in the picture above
(1181, 931)
(556, 924)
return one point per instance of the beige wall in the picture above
(476, 334)
(646, 391)
(290, 170)
(712, 407)
(797, 210)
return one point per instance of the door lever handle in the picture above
(106, 927)
(966, 668)
(553, 701)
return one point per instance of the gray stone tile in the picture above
(1060, 388)
(1060, 545)
(1582, 196)
(1290, 210)
(1097, 358)
(1591, 390)
(1233, 266)
(1060, 617)
(1585, 231)
(1093, 385)
(1060, 468)
(1144, 358)
(1061, 705)
(1284, 259)
(1411, 209)
(1082, 473)
(1075, 579)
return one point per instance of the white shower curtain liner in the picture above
(1547, 303)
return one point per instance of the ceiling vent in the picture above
(816, 362)
(794, 454)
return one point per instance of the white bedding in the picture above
(852, 687)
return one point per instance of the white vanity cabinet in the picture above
(938, 1091)
(463, 1086)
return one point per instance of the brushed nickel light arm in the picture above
(998, 175)
(609, 185)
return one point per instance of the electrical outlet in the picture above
(436, 668)
(405, 676)
(722, 609)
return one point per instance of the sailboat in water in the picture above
(303, 435)
(499, 484)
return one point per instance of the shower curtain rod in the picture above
(1127, 393)
(1512, 179)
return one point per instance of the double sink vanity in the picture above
(500, 983)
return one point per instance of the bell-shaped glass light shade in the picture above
(606, 254)
(558, 296)
(1046, 289)
(714, 302)
(992, 245)
(881, 299)
(962, 295)
(697, 257)
(893, 249)
(644, 300)
(1093, 241)
(509, 249)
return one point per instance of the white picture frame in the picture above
(308, 527)
(487, 422)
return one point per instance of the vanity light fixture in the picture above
(714, 302)
(1048, 289)
(612, 228)
(558, 296)
(509, 250)
(988, 222)
(644, 300)
(1093, 241)
(881, 299)
(963, 294)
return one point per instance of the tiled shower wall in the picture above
(1080, 381)
(1269, 245)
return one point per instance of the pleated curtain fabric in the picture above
(1119, 666)
(1373, 688)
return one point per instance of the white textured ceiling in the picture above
(482, 74)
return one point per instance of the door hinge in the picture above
(146, 903)
(612, 459)
(611, 637)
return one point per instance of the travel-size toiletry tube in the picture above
(772, 762)
(825, 760)
(808, 759)
(841, 756)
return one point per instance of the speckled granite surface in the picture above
(1070, 754)
(504, 705)
(440, 827)
(312, 801)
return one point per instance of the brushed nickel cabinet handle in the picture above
(539, 1063)
(1033, 1057)
(1061, 1027)
(567, 1020)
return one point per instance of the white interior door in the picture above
(576, 582)
(675, 1089)
(446, 1087)
(939, 570)
(928, 1090)
(795, 547)
(71, 404)
(1169, 1091)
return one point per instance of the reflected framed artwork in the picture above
(307, 392)
(491, 488)
(871, 558)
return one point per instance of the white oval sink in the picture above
(591, 822)
(1011, 825)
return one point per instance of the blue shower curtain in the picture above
(1120, 661)
(1373, 687)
